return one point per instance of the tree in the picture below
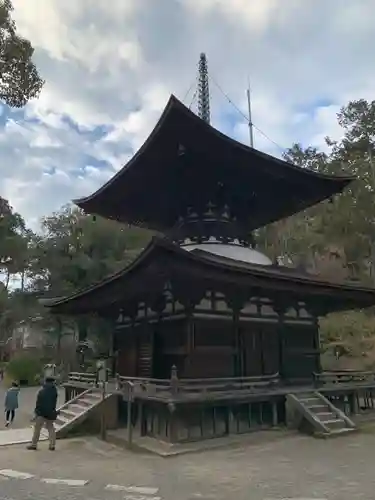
(19, 77)
(15, 306)
(76, 250)
(336, 238)
(14, 243)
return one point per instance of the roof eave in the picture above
(174, 103)
(364, 297)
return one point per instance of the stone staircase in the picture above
(75, 411)
(324, 418)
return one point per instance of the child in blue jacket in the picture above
(11, 403)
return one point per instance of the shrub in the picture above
(25, 368)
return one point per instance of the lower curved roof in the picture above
(185, 162)
(162, 259)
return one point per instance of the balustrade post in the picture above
(275, 417)
(118, 382)
(174, 381)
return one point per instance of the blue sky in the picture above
(111, 66)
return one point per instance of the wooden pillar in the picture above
(173, 429)
(190, 340)
(275, 418)
(354, 403)
(317, 346)
(280, 331)
(280, 307)
(238, 368)
(261, 345)
(82, 328)
(112, 349)
(231, 420)
(235, 299)
(316, 310)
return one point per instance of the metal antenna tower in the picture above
(251, 126)
(203, 90)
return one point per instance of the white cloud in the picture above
(113, 64)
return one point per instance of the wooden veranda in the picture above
(219, 407)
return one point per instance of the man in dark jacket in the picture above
(45, 414)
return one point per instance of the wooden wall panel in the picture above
(300, 355)
(209, 364)
(270, 350)
(251, 346)
(127, 358)
(212, 352)
(170, 347)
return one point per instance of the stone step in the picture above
(317, 408)
(60, 421)
(77, 408)
(334, 433)
(325, 416)
(342, 431)
(336, 423)
(313, 399)
(88, 401)
(68, 413)
(95, 394)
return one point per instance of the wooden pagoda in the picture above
(201, 298)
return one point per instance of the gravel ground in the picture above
(296, 467)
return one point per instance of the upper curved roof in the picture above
(183, 162)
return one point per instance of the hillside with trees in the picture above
(336, 239)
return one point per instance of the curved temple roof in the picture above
(140, 277)
(186, 162)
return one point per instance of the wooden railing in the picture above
(345, 377)
(82, 378)
(175, 386)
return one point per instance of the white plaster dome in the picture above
(230, 251)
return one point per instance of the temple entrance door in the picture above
(259, 349)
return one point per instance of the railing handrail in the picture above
(345, 372)
(211, 380)
(342, 377)
(144, 379)
(258, 378)
(185, 385)
(67, 403)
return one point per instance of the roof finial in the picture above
(203, 90)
